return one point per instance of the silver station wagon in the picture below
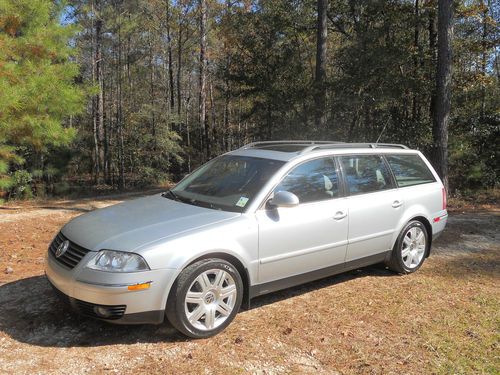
(267, 216)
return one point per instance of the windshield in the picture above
(228, 183)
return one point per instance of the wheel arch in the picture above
(421, 218)
(242, 270)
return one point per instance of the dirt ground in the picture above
(443, 319)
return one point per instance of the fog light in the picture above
(102, 311)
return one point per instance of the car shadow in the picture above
(377, 270)
(76, 209)
(30, 312)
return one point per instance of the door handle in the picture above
(340, 215)
(397, 204)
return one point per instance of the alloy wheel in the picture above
(210, 299)
(413, 247)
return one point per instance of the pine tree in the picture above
(37, 80)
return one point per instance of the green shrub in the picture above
(21, 185)
(148, 176)
(61, 188)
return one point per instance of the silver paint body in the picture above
(271, 245)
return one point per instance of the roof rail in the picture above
(352, 145)
(321, 145)
(290, 142)
(389, 145)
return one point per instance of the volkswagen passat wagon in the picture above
(267, 216)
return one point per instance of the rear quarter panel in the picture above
(424, 200)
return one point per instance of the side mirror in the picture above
(284, 199)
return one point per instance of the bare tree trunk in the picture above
(152, 91)
(203, 73)
(188, 130)
(484, 55)
(416, 45)
(432, 28)
(95, 118)
(238, 135)
(443, 88)
(214, 134)
(119, 116)
(179, 69)
(107, 140)
(320, 86)
(226, 131)
(170, 63)
(100, 98)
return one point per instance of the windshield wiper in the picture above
(171, 194)
(203, 204)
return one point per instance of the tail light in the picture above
(444, 198)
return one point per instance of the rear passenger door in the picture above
(375, 205)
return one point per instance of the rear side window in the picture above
(365, 173)
(315, 180)
(410, 170)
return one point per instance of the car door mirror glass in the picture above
(284, 199)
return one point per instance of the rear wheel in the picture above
(205, 298)
(410, 248)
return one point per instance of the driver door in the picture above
(310, 236)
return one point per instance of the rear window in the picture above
(410, 170)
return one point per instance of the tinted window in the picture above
(227, 182)
(315, 180)
(409, 170)
(365, 173)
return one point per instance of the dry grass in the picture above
(478, 200)
(463, 331)
(443, 319)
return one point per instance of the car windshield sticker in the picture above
(242, 202)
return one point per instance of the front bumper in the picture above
(116, 312)
(89, 292)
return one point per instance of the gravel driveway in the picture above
(365, 321)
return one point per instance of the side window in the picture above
(409, 170)
(365, 173)
(315, 180)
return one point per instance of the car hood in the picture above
(133, 224)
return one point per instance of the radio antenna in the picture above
(382, 132)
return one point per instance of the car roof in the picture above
(288, 150)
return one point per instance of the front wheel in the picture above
(410, 248)
(205, 298)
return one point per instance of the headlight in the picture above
(118, 261)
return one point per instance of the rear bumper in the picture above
(438, 224)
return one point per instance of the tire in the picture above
(410, 248)
(205, 298)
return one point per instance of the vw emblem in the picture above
(62, 248)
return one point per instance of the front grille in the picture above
(72, 256)
(88, 309)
